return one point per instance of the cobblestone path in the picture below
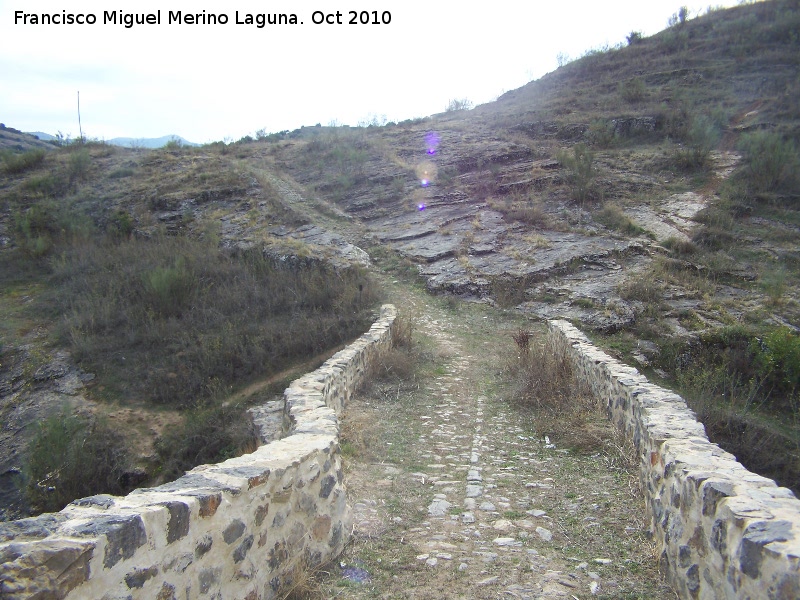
(468, 502)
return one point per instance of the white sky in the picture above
(213, 82)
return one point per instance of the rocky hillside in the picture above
(648, 193)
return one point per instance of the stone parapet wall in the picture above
(234, 530)
(723, 531)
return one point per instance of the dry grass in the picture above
(543, 383)
(305, 583)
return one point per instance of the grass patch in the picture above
(612, 217)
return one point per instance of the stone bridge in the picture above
(240, 529)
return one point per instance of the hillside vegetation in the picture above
(647, 192)
(161, 316)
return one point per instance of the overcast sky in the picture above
(214, 82)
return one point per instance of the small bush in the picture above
(771, 163)
(78, 164)
(601, 133)
(744, 387)
(46, 224)
(121, 173)
(395, 371)
(634, 37)
(48, 184)
(773, 283)
(168, 289)
(457, 104)
(766, 365)
(643, 288)
(522, 338)
(529, 212)
(121, 225)
(632, 90)
(701, 138)
(680, 246)
(777, 362)
(402, 333)
(72, 457)
(508, 291)
(19, 163)
(396, 365)
(718, 227)
(582, 172)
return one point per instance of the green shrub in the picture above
(581, 171)
(777, 362)
(701, 138)
(643, 288)
(718, 226)
(766, 364)
(72, 457)
(634, 37)
(773, 283)
(771, 162)
(47, 184)
(744, 387)
(601, 133)
(121, 172)
(680, 246)
(19, 163)
(47, 224)
(632, 90)
(78, 164)
(168, 289)
(122, 224)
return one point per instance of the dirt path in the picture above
(455, 496)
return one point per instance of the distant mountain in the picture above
(129, 142)
(149, 142)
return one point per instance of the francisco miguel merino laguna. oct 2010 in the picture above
(176, 17)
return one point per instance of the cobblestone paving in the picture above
(486, 490)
